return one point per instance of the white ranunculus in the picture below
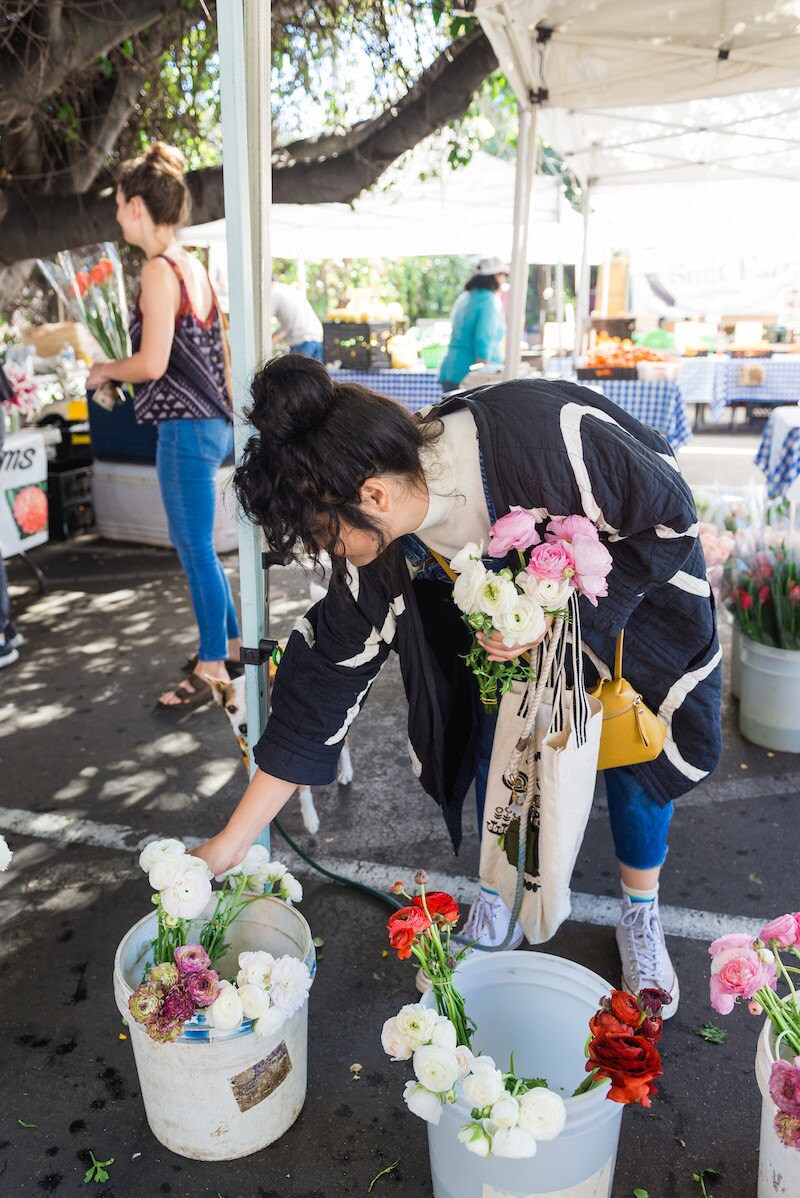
(156, 850)
(187, 896)
(394, 1042)
(255, 859)
(464, 1058)
(225, 1013)
(291, 889)
(505, 1112)
(472, 551)
(475, 1139)
(542, 1114)
(167, 871)
(484, 1085)
(444, 1034)
(513, 1142)
(274, 871)
(468, 586)
(254, 999)
(551, 593)
(255, 967)
(416, 1023)
(270, 1022)
(521, 624)
(497, 596)
(422, 1102)
(5, 854)
(436, 1068)
(289, 984)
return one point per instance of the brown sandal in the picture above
(192, 691)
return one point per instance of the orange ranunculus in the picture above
(83, 281)
(440, 906)
(625, 1007)
(630, 1062)
(106, 265)
(98, 275)
(404, 927)
(606, 1022)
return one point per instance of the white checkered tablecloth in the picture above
(658, 404)
(414, 389)
(779, 452)
(781, 383)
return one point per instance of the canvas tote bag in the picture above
(545, 786)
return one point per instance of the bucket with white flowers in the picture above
(213, 986)
(499, 1045)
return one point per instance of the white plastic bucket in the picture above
(736, 662)
(769, 713)
(778, 1165)
(537, 1006)
(218, 1096)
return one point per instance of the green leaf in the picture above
(382, 1173)
(22, 1124)
(639, 1193)
(711, 1033)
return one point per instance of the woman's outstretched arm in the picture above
(259, 805)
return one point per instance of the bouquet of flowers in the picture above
(93, 292)
(517, 601)
(25, 400)
(508, 1114)
(181, 984)
(749, 968)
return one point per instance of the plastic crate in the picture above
(607, 372)
(356, 345)
(69, 502)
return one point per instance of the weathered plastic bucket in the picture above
(778, 1165)
(769, 713)
(216, 1096)
(537, 1006)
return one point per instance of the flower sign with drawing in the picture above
(509, 1113)
(182, 985)
(517, 605)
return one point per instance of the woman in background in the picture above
(478, 324)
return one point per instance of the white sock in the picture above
(640, 896)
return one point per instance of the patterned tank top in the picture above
(193, 386)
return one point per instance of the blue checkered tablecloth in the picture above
(658, 404)
(414, 389)
(715, 381)
(779, 452)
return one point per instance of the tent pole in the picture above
(526, 165)
(244, 55)
(560, 278)
(583, 289)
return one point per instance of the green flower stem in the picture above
(781, 1020)
(589, 1083)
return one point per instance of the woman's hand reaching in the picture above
(497, 651)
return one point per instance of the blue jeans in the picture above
(311, 349)
(5, 606)
(188, 455)
(639, 825)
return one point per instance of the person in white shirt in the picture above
(298, 323)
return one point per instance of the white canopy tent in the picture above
(638, 91)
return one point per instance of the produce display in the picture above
(614, 352)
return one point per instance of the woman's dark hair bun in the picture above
(292, 395)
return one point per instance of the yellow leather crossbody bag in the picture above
(632, 733)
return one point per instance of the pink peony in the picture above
(784, 930)
(725, 943)
(566, 528)
(517, 530)
(203, 987)
(784, 1086)
(738, 973)
(551, 561)
(191, 958)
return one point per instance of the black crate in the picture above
(357, 346)
(599, 373)
(69, 502)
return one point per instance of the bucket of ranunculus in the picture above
(221, 1079)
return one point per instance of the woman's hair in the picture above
(157, 177)
(482, 283)
(316, 443)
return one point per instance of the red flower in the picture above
(764, 595)
(630, 1062)
(440, 906)
(30, 510)
(651, 1028)
(744, 599)
(98, 275)
(404, 927)
(794, 593)
(106, 266)
(397, 888)
(606, 1023)
(625, 1007)
(83, 281)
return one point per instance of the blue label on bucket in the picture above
(597, 1186)
(258, 1082)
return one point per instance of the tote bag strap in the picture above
(580, 700)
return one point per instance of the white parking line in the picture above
(685, 922)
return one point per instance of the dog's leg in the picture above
(310, 817)
(344, 772)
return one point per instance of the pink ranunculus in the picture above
(191, 958)
(517, 530)
(593, 563)
(784, 930)
(203, 987)
(566, 528)
(734, 940)
(784, 1086)
(739, 975)
(178, 1005)
(552, 561)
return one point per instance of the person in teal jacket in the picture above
(478, 324)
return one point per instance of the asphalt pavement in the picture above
(88, 769)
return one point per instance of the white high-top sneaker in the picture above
(643, 951)
(487, 923)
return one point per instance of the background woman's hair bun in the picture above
(291, 396)
(159, 156)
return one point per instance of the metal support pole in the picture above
(560, 275)
(244, 55)
(583, 289)
(518, 290)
